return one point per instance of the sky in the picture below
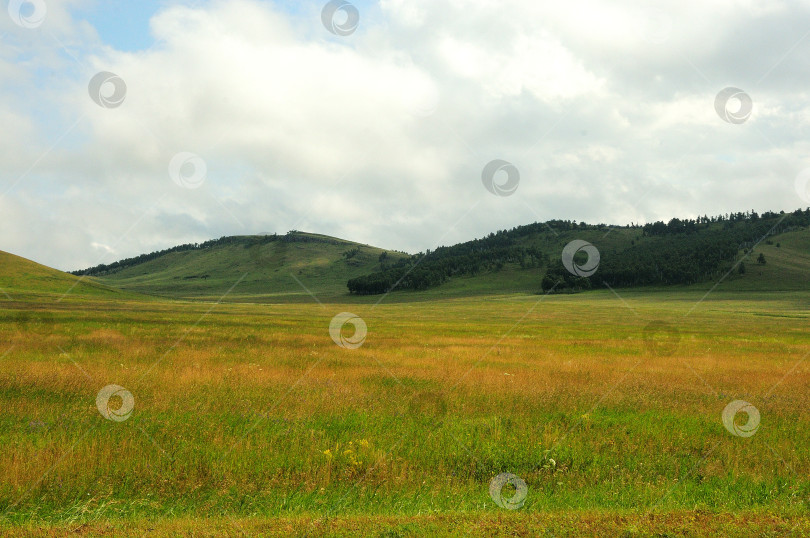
(129, 127)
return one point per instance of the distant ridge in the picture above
(679, 252)
(294, 266)
(246, 240)
(744, 250)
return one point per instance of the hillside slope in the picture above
(688, 252)
(22, 277)
(267, 268)
(786, 267)
(527, 259)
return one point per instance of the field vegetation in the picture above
(249, 419)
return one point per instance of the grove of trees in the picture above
(682, 251)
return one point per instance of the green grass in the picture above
(690, 523)
(787, 267)
(248, 416)
(24, 279)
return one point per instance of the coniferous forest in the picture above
(681, 251)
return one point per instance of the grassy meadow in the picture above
(248, 419)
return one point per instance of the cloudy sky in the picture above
(128, 127)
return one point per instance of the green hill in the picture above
(21, 278)
(787, 264)
(526, 259)
(787, 268)
(271, 268)
(730, 248)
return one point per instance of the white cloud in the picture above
(606, 108)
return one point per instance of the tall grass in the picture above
(253, 410)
